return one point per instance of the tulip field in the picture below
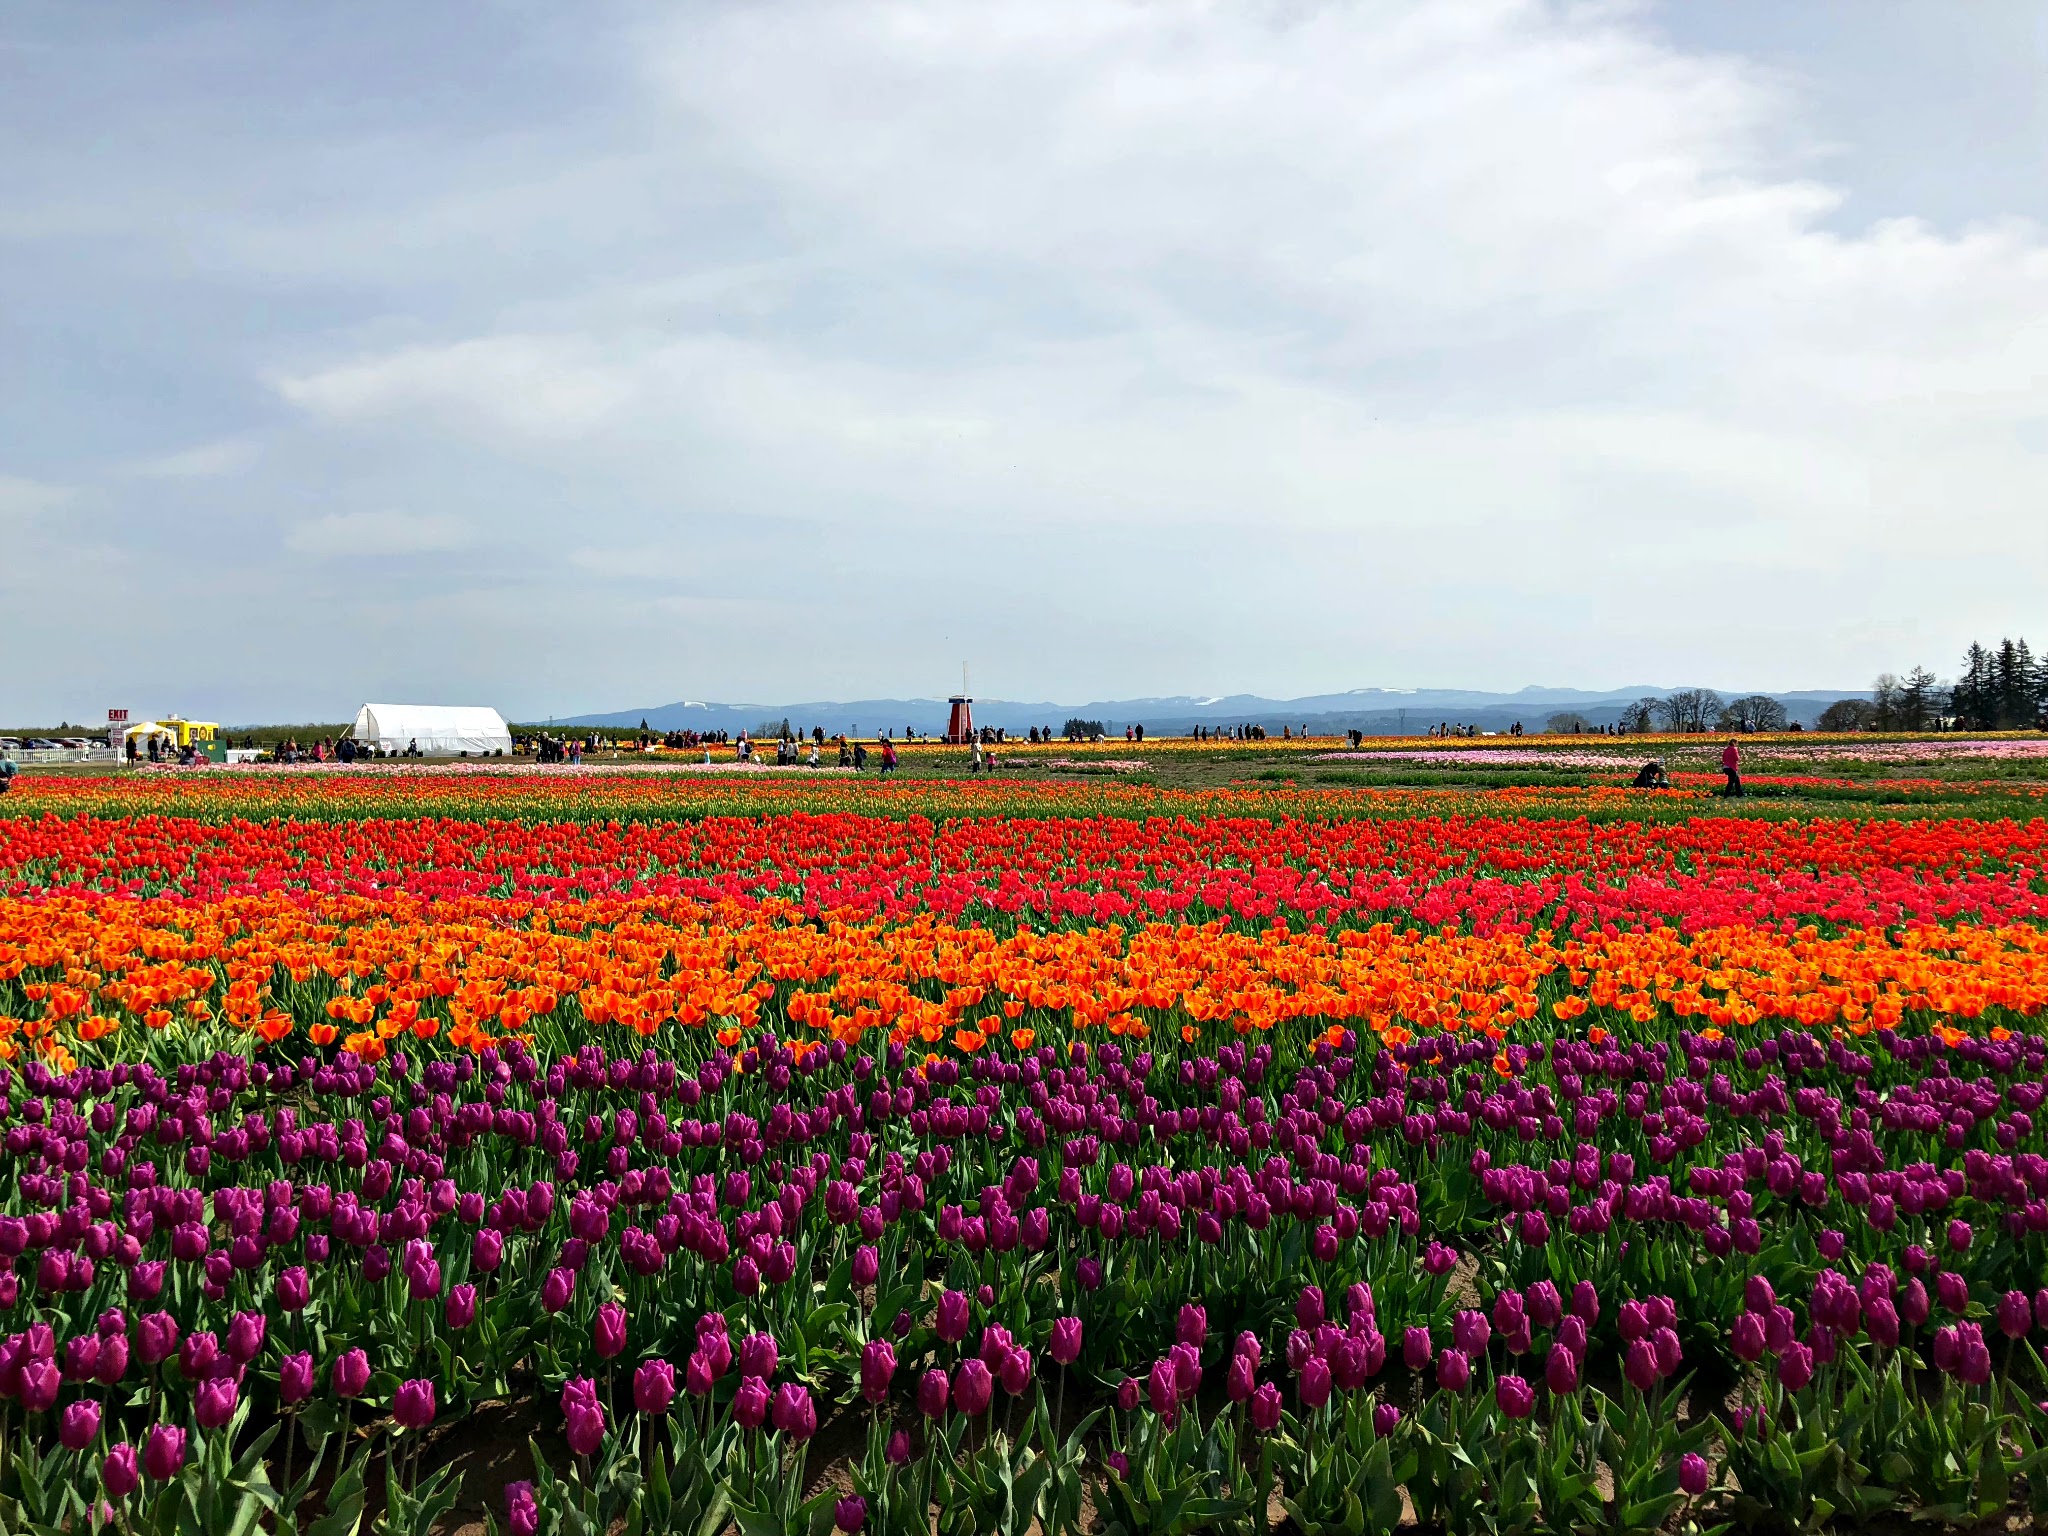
(783, 1155)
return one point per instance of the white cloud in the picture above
(550, 386)
(206, 461)
(22, 499)
(346, 534)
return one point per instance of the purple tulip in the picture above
(1515, 1396)
(758, 1357)
(897, 1452)
(413, 1408)
(1952, 1291)
(486, 1253)
(1470, 1331)
(1416, 1348)
(80, 1425)
(1242, 1378)
(585, 1426)
(750, 1403)
(877, 1369)
(120, 1471)
(2015, 1314)
(351, 1375)
(850, 1514)
(245, 1336)
(1453, 1370)
(608, 1331)
(41, 1383)
(1693, 1473)
(698, 1377)
(1913, 1305)
(654, 1386)
(795, 1414)
(952, 1318)
(1586, 1303)
(1065, 1346)
(1162, 1388)
(1757, 1295)
(1265, 1409)
(1561, 1370)
(973, 1387)
(295, 1378)
(1959, 1236)
(1384, 1417)
(461, 1306)
(1192, 1327)
(1639, 1364)
(156, 1338)
(294, 1290)
(112, 1364)
(1313, 1387)
(556, 1289)
(1308, 1307)
(1795, 1367)
(163, 1453)
(933, 1390)
(522, 1510)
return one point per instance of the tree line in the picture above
(1999, 688)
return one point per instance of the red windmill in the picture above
(960, 722)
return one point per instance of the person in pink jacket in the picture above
(1731, 763)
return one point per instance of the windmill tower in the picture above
(960, 721)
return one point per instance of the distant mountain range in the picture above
(1376, 711)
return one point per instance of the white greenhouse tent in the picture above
(437, 730)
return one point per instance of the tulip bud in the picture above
(351, 1375)
(413, 1408)
(1795, 1367)
(1514, 1396)
(120, 1473)
(295, 1378)
(1453, 1370)
(1313, 1387)
(1308, 1307)
(1265, 1409)
(795, 1414)
(654, 1386)
(877, 1369)
(80, 1425)
(163, 1453)
(522, 1510)
(933, 1390)
(973, 1387)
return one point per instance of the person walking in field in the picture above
(888, 757)
(1731, 764)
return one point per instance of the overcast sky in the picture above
(583, 357)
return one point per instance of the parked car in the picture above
(40, 744)
(10, 743)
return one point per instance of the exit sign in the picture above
(116, 716)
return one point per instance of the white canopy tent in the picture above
(438, 730)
